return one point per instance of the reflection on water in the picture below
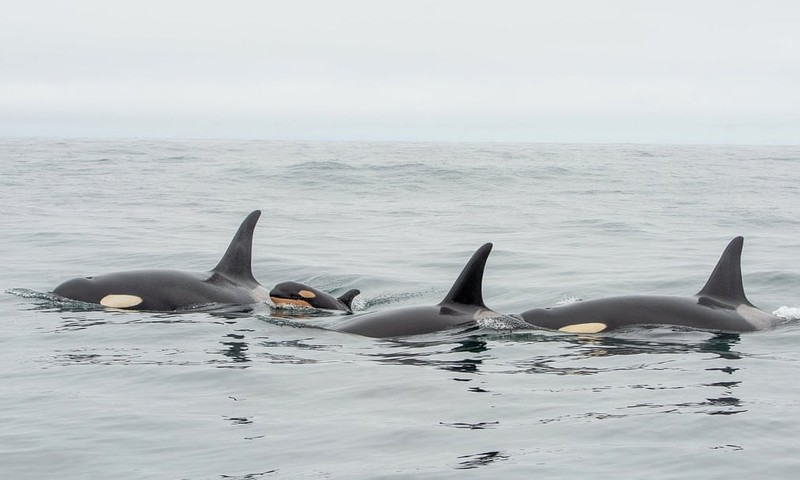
(729, 447)
(471, 426)
(239, 420)
(248, 476)
(78, 323)
(236, 350)
(708, 406)
(111, 318)
(298, 343)
(480, 459)
(291, 350)
(573, 355)
(589, 353)
(466, 352)
(427, 353)
(115, 356)
(605, 345)
(582, 347)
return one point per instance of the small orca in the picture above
(293, 293)
(462, 306)
(720, 306)
(231, 282)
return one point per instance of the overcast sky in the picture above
(667, 71)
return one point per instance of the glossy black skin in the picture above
(720, 306)
(414, 320)
(231, 282)
(617, 312)
(291, 291)
(162, 290)
(463, 306)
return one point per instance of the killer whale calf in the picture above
(720, 305)
(462, 306)
(230, 282)
(298, 294)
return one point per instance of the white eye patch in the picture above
(583, 328)
(120, 301)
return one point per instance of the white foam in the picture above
(790, 313)
(26, 293)
(568, 300)
(290, 307)
(358, 304)
(503, 322)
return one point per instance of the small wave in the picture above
(26, 293)
(789, 313)
(390, 298)
(47, 300)
(181, 158)
(791, 158)
(229, 310)
(417, 168)
(296, 319)
(325, 166)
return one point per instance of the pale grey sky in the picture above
(457, 70)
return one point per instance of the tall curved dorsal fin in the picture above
(237, 261)
(468, 287)
(348, 296)
(725, 282)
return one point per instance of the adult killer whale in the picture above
(231, 282)
(721, 306)
(298, 294)
(462, 306)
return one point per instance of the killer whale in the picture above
(720, 305)
(230, 282)
(463, 305)
(294, 293)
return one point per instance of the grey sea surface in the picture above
(93, 393)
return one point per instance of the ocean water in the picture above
(88, 393)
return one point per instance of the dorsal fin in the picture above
(725, 282)
(468, 288)
(237, 261)
(348, 296)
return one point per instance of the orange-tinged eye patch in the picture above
(288, 301)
